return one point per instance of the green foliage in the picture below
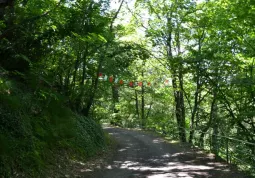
(89, 137)
(52, 52)
(31, 131)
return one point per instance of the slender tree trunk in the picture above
(84, 66)
(91, 98)
(194, 110)
(182, 108)
(115, 97)
(192, 120)
(148, 113)
(115, 100)
(93, 90)
(79, 106)
(142, 109)
(77, 62)
(180, 95)
(211, 118)
(143, 104)
(67, 83)
(137, 105)
(61, 88)
(179, 115)
(177, 81)
(197, 99)
(215, 144)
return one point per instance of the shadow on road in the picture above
(143, 155)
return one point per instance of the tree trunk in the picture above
(137, 105)
(215, 144)
(182, 107)
(177, 81)
(143, 104)
(77, 62)
(148, 113)
(180, 95)
(180, 117)
(79, 100)
(93, 90)
(201, 139)
(67, 83)
(194, 111)
(115, 97)
(198, 86)
(91, 98)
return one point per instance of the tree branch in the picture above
(116, 14)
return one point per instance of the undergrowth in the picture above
(35, 124)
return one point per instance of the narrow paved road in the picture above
(141, 155)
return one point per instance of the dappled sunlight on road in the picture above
(157, 141)
(141, 155)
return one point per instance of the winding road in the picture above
(143, 155)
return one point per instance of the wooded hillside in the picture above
(184, 68)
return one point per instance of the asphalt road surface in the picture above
(142, 155)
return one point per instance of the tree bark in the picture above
(177, 80)
(195, 106)
(143, 104)
(211, 118)
(137, 105)
(115, 97)
(93, 90)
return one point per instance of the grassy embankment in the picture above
(37, 131)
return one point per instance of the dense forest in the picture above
(183, 68)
